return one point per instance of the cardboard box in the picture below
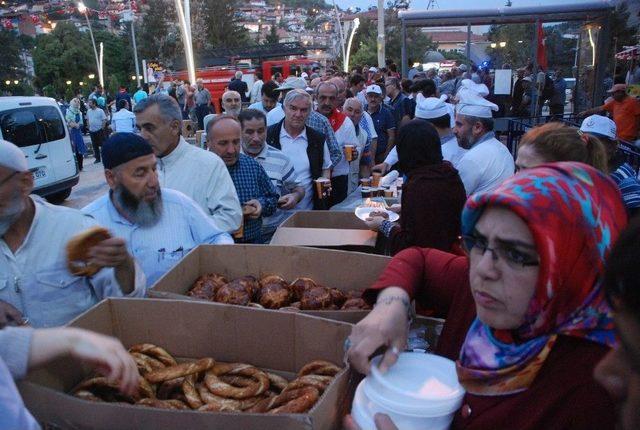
(278, 341)
(346, 271)
(188, 130)
(326, 229)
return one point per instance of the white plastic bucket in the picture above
(421, 391)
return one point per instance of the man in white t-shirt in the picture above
(123, 121)
(488, 162)
(327, 98)
(354, 109)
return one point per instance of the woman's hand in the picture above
(374, 222)
(383, 422)
(397, 208)
(385, 326)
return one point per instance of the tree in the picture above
(155, 37)
(272, 37)
(11, 66)
(63, 55)
(224, 30)
(364, 48)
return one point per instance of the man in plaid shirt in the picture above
(256, 193)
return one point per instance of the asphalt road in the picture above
(91, 186)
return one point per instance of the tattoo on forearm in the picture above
(390, 299)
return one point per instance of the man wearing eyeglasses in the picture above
(35, 284)
(160, 225)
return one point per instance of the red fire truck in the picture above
(217, 78)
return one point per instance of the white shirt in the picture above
(260, 107)
(486, 165)
(354, 166)
(123, 121)
(275, 115)
(370, 125)
(96, 118)
(296, 150)
(255, 94)
(345, 135)
(183, 225)
(203, 176)
(451, 151)
(35, 278)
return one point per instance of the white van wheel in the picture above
(59, 197)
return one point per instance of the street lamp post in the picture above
(83, 9)
(356, 24)
(128, 16)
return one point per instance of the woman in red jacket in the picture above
(526, 317)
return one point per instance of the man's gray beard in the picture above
(468, 141)
(12, 213)
(233, 112)
(138, 211)
(248, 150)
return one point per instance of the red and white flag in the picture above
(541, 53)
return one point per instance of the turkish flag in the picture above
(541, 53)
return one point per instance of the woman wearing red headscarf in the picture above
(526, 317)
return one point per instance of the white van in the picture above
(37, 126)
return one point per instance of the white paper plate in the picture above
(363, 212)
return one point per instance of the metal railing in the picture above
(517, 127)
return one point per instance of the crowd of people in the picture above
(545, 322)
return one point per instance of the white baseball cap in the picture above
(430, 107)
(292, 83)
(304, 75)
(600, 126)
(12, 157)
(373, 69)
(374, 89)
(462, 67)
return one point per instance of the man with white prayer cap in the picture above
(440, 115)
(35, 283)
(487, 162)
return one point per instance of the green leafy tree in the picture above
(224, 30)
(63, 55)
(272, 37)
(11, 66)
(156, 38)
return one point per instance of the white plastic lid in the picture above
(420, 384)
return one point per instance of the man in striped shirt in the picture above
(278, 166)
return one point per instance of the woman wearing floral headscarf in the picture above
(74, 122)
(526, 317)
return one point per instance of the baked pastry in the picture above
(251, 284)
(337, 296)
(207, 286)
(316, 298)
(233, 293)
(274, 294)
(298, 286)
(355, 304)
(78, 249)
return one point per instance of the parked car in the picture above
(36, 125)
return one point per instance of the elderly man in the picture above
(202, 98)
(277, 166)
(269, 98)
(341, 85)
(487, 163)
(255, 191)
(255, 95)
(315, 120)
(239, 86)
(199, 174)
(358, 168)
(231, 105)
(306, 147)
(160, 226)
(384, 123)
(34, 276)
(327, 98)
